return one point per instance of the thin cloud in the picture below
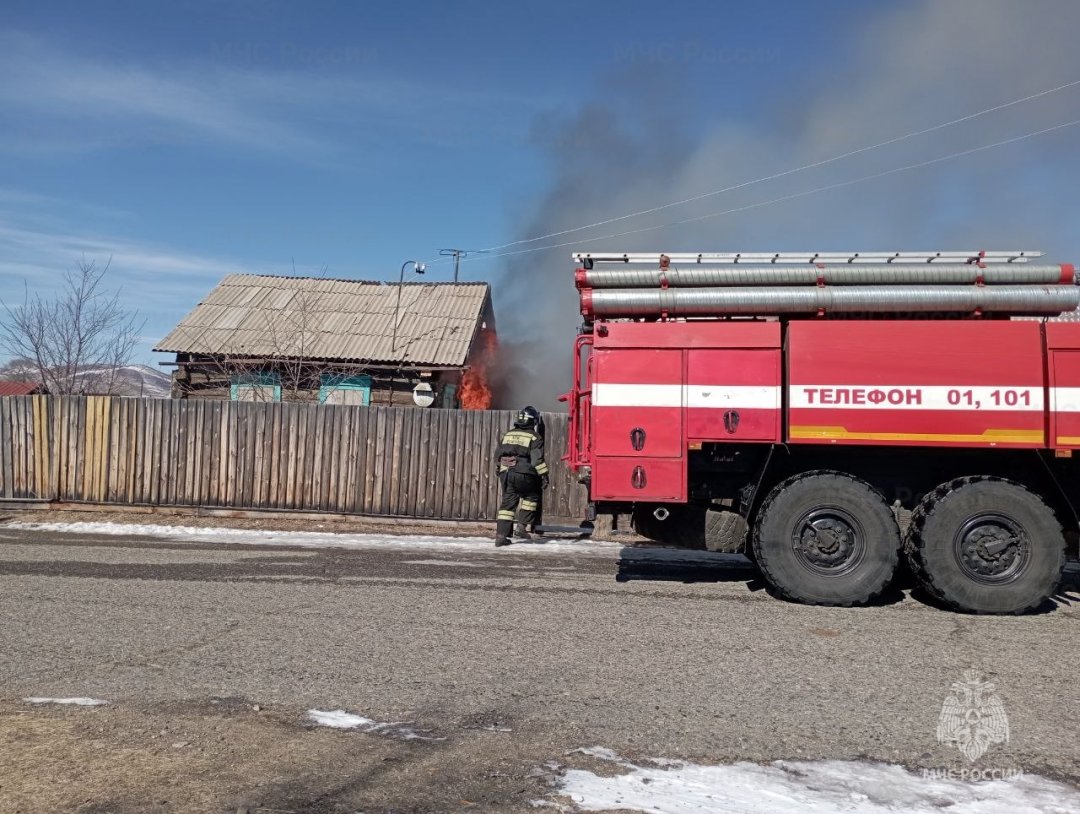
(57, 101)
(36, 208)
(51, 253)
(104, 100)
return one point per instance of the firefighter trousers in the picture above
(520, 500)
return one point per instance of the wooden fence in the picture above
(388, 461)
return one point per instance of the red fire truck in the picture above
(828, 414)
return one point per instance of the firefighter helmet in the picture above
(529, 417)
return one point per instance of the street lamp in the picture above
(397, 308)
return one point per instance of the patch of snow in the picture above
(805, 787)
(558, 546)
(318, 539)
(340, 719)
(82, 702)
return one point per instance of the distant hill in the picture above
(129, 380)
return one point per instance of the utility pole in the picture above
(457, 254)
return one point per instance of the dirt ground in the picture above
(229, 755)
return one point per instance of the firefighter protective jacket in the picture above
(522, 450)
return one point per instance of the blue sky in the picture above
(190, 140)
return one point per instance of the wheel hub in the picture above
(992, 548)
(828, 541)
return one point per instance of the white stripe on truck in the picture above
(706, 396)
(606, 394)
(1065, 399)
(738, 397)
(838, 396)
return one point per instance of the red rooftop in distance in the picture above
(13, 388)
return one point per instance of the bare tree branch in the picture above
(79, 338)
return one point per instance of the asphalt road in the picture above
(510, 657)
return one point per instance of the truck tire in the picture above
(693, 527)
(986, 545)
(725, 531)
(826, 538)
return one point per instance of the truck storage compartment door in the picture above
(639, 479)
(973, 383)
(1063, 343)
(1065, 399)
(733, 395)
(637, 403)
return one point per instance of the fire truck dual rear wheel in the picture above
(986, 545)
(826, 538)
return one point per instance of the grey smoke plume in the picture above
(635, 146)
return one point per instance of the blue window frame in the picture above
(337, 388)
(255, 387)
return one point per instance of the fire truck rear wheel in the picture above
(826, 538)
(986, 545)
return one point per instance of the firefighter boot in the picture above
(504, 527)
(520, 533)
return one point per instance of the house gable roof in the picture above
(257, 316)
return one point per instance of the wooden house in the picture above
(265, 338)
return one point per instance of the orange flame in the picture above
(475, 393)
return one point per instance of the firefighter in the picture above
(523, 474)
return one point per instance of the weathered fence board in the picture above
(381, 460)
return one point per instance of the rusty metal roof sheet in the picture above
(19, 388)
(257, 315)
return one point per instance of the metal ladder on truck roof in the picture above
(656, 259)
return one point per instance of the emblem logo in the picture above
(972, 716)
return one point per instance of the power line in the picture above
(795, 195)
(783, 174)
